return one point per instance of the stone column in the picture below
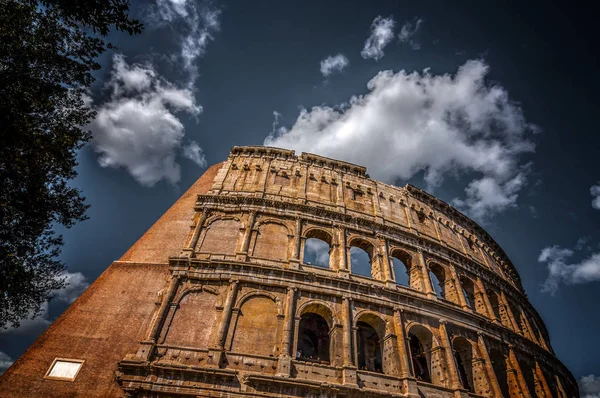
(530, 334)
(385, 262)
(284, 363)
(488, 366)
(402, 340)
(162, 311)
(486, 300)
(197, 229)
(348, 367)
(508, 310)
(344, 267)
(451, 365)
(295, 260)
(542, 380)
(517, 368)
(458, 287)
(233, 288)
(347, 320)
(427, 288)
(289, 321)
(242, 255)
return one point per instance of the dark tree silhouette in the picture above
(48, 50)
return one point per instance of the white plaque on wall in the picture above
(64, 369)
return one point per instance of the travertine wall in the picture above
(244, 314)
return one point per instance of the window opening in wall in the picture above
(420, 359)
(369, 348)
(438, 277)
(316, 252)
(360, 262)
(421, 217)
(463, 357)
(313, 339)
(500, 370)
(468, 291)
(64, 369)
(401, 272)
(495, 303)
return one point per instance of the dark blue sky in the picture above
(265, 57)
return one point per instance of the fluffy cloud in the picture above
(333, 63)
(193, 152)
(560, 271)
(418, 122)
(316, 252)
(382, 32)
(408, 33)
(589, 386)
(5, 362)
(137, 128)
(595, 191)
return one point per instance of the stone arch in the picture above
(256, 293)
(468, 288)
(192, 324)
(314, 340)
(370, 334)
(318, 307)
(271, 240)
(317, 245)
(358, 264)
(257, 327)
(496, 303)
(221, 235)
(439, 279)
(426, 357)
(403, 268)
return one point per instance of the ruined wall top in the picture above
(329, 184)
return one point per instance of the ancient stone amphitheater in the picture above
(301, 276)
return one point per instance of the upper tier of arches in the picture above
(302, 243)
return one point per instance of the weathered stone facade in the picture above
(239, 311)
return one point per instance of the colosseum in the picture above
(279, 275)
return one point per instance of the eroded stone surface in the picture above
(218, 298)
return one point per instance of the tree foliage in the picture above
(48, 51)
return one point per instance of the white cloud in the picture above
(193, 152)
(137, 128)
(595, 191)
(5, 362)
(418, 122)
(560, 271)
(408, 33)
(76, 284)
(589, 386)
(382, 32)
(333, 63)
(318, 252)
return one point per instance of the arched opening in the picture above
(463, 357)
(495, 303)
(313, 339)
(316, 252)
(369, 348)
(468, 291)
(361, 255)
(420, 341)
(438, 279)
(401, 263)
(498, 360)
(255, 331)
